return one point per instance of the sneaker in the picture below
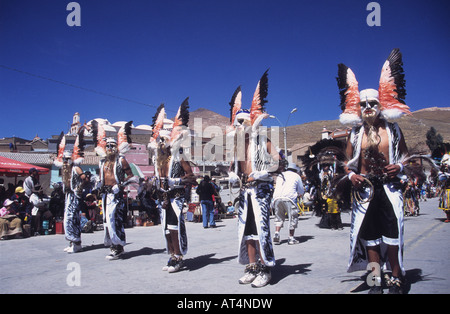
(176, 265)
(170, 262)
(293, 241)
(249, 275)
(116, 252)
(395, 286)
(68, 248)
(276, 239)
(74, 248)
(263, 277)
(376, 287)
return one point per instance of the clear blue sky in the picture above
(154, 51)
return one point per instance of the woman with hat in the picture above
(10, 224)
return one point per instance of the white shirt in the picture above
(288, 184)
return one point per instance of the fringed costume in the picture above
(254, 160)
(376, 150)
(323, 163)
(173, 175)
(73, 180)
(115, 175)
(444, 183)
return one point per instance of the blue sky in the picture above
(127, 57)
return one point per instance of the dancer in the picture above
(73, 180)
(288, 188)
(444, 182)
(115, 175)
(254, 159)
(375, 149)
(324, 162)
(172, 175)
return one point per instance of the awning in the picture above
(12, 168)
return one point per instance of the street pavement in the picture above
(317, 265)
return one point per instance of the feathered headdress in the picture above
(78, 148)
(77, 154)
(100, 139)
(180, 123)
(257, 109)
(391, 91)
(157, 125)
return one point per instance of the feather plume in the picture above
(78, 148)
(349, 95)
(58, 162)
(99, 136)
(180, 122)
(391, 89)
(123, 138)
(235, 104)
(259, 98)
(158, 121)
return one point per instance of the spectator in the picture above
(206, 192)
(31, 181)
(288, 188)
(22, 205)
(230, 209)
(10, 224)
(40, 211)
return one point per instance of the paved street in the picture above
(317, 265)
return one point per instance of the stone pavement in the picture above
(317, 265)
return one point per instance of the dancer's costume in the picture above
(388, 199)
(113, 201)
(171, 189)
(72, 187)
(323, 162)
(444, 180)
(255, 196)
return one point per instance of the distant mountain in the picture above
(208, 118)
(414, 127)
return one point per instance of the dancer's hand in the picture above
(357, 180)
(392, 170)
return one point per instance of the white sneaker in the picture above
(170, 262)
(116, 252)
(176, 265)
(68, 248)
(293, 241)
(263, 277)
(276, 239)
(250, 274)
(75, 248)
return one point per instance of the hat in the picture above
(293, 166)
(7, 202)
(19, 189)
(390, 94)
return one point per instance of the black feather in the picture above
(59, 141)
(81, 141)
(233, 100)
(342, 84)
(94, 125)
(155, 117)
(184, 112)
(128, 130)
(396, 65)
(263, 89)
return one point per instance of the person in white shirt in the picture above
(288, 188)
